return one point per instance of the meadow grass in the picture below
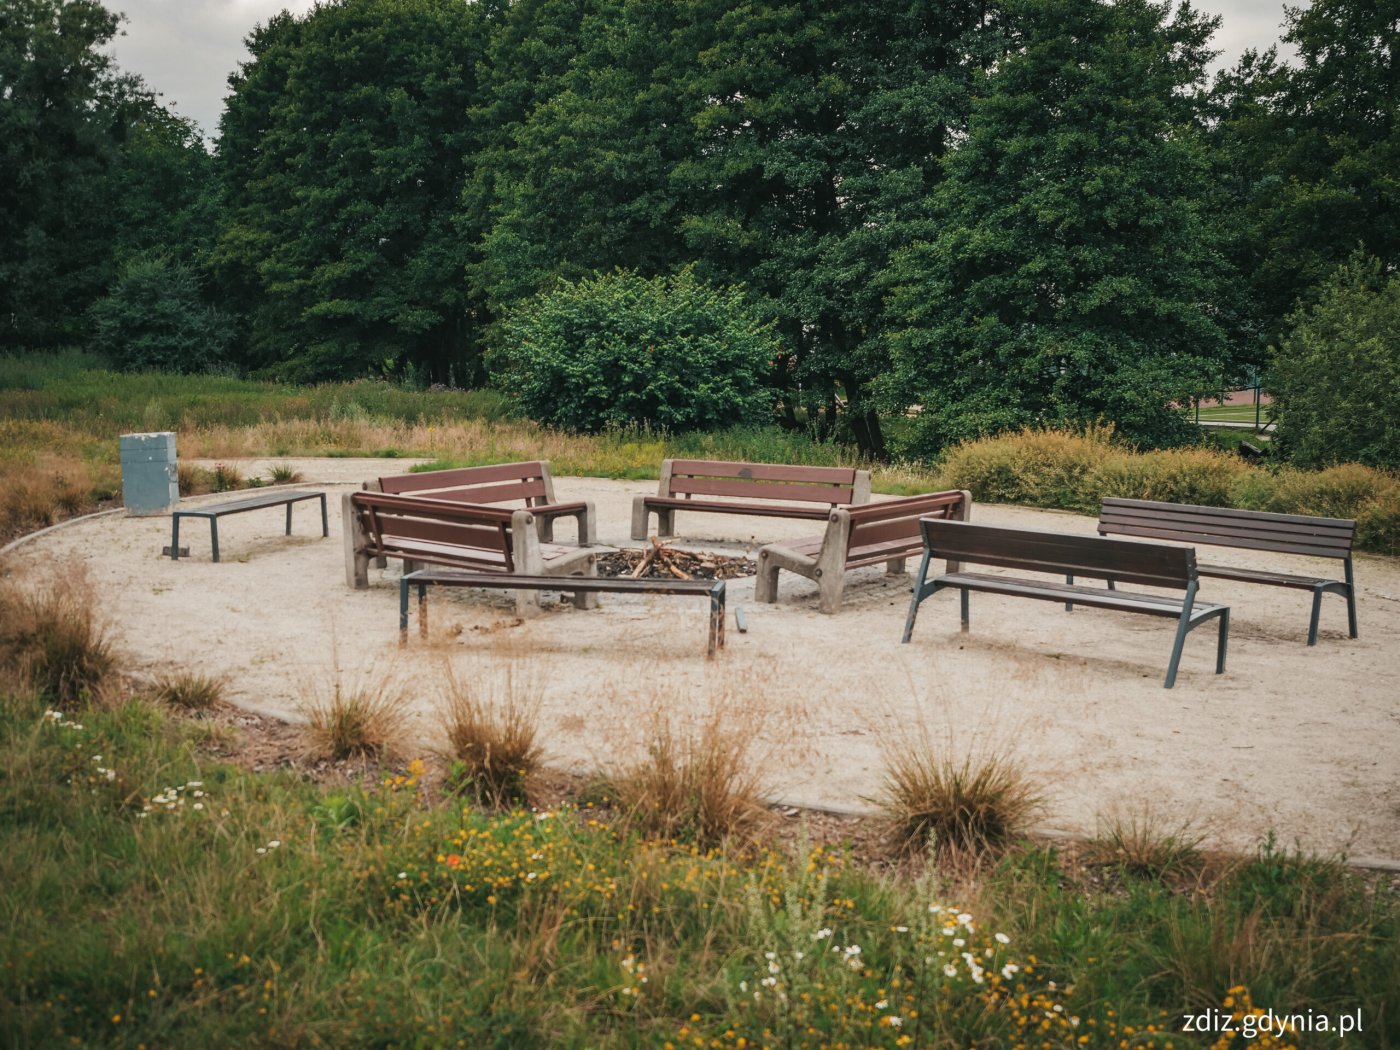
(156, 897)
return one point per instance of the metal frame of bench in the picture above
(461, 536)
(793, 491)
(424, 578)
(1245, 530)
(528, 481)
(238, 506)
(1146, 564)
(887, 532)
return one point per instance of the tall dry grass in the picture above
(54, 638)
(700, 781)
(490, 722)
(366, 718)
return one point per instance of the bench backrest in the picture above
(885, 530)
(766, 481)
(1146, 564)
(1224, 527)
(497, 483)
(389, 519)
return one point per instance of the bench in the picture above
(530, 482)
(463, 536)
(1024, 550)
(424, 578)
(767, 489)
(215, 511)
(1249, 530)
(886, 532)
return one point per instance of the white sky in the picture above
(186, 49)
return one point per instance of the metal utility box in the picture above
(150, 479)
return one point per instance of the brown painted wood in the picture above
(828, 494)
(1228, 527)
(768, 510)
(463, 476)
(714, 468)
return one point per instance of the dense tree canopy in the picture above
(1003, 211)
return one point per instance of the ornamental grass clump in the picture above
(490, 724)
(698, 784)
(1136, 843)
(188, 690)
(53, 638)
(366, 720)
(954, 807)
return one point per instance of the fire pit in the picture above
(662, 562)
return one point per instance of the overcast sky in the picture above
(185, 49)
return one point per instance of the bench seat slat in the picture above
(525, 490)
(531, 470)
(1049, 590)
(1276, 579)
(236, 506)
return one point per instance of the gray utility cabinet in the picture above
(150, 479)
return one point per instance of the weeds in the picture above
(53, 639)
(283, 474)
(490, 728)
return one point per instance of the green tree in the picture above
(1308, 156)
(57, 90)
(1072, 272)
(821, 133)
(1336, 375)
(342, 155)
(621, 350)
(155, 319)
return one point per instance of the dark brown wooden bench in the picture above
(887, 532)
(1246, 530)
(459, 535)
(771, 490)
(215, 511)
(1023, 550)
(424, 578)
(528, 483)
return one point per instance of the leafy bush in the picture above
(1188, 475)
(619, 350)
(155, 320)
(1336, 378)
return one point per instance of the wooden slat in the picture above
(521, 490)
(441, 479)
(486, 536)
(600, 584)
(828, 494)
(1227, 527)
(445, 509)
(1151, 604)
(1277, 579)
(916, 506)
(237, 506)
(715, 468)
(1149, 564)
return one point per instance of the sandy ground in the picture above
(1301, 742)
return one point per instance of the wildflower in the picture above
(950, 970)
(883, 1004)
(1003, 938)
(894, 1020)
(822, 934)
(1008, 970)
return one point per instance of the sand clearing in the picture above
(1302, 742)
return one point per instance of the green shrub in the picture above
(1047, 468)
(1189, 475)
(619, 350)
(1336, 377)
(155, 320)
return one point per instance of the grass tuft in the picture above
(699, 785)
(1136, 844)
(491, 735)
(365, 721)
(954, 808)
(189, 691)
(53, 639)
(283, 474)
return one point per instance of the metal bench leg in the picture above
(1222, 641)
(403, 611)
(716, 640)
(214, 536)
(1351, 598)
(1316, 615)
(1069, 606)
(289, 520)
(175, 538)
(422, 610)
(918, 595)
(325, 521)
(962, 601)
(1183, 625)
